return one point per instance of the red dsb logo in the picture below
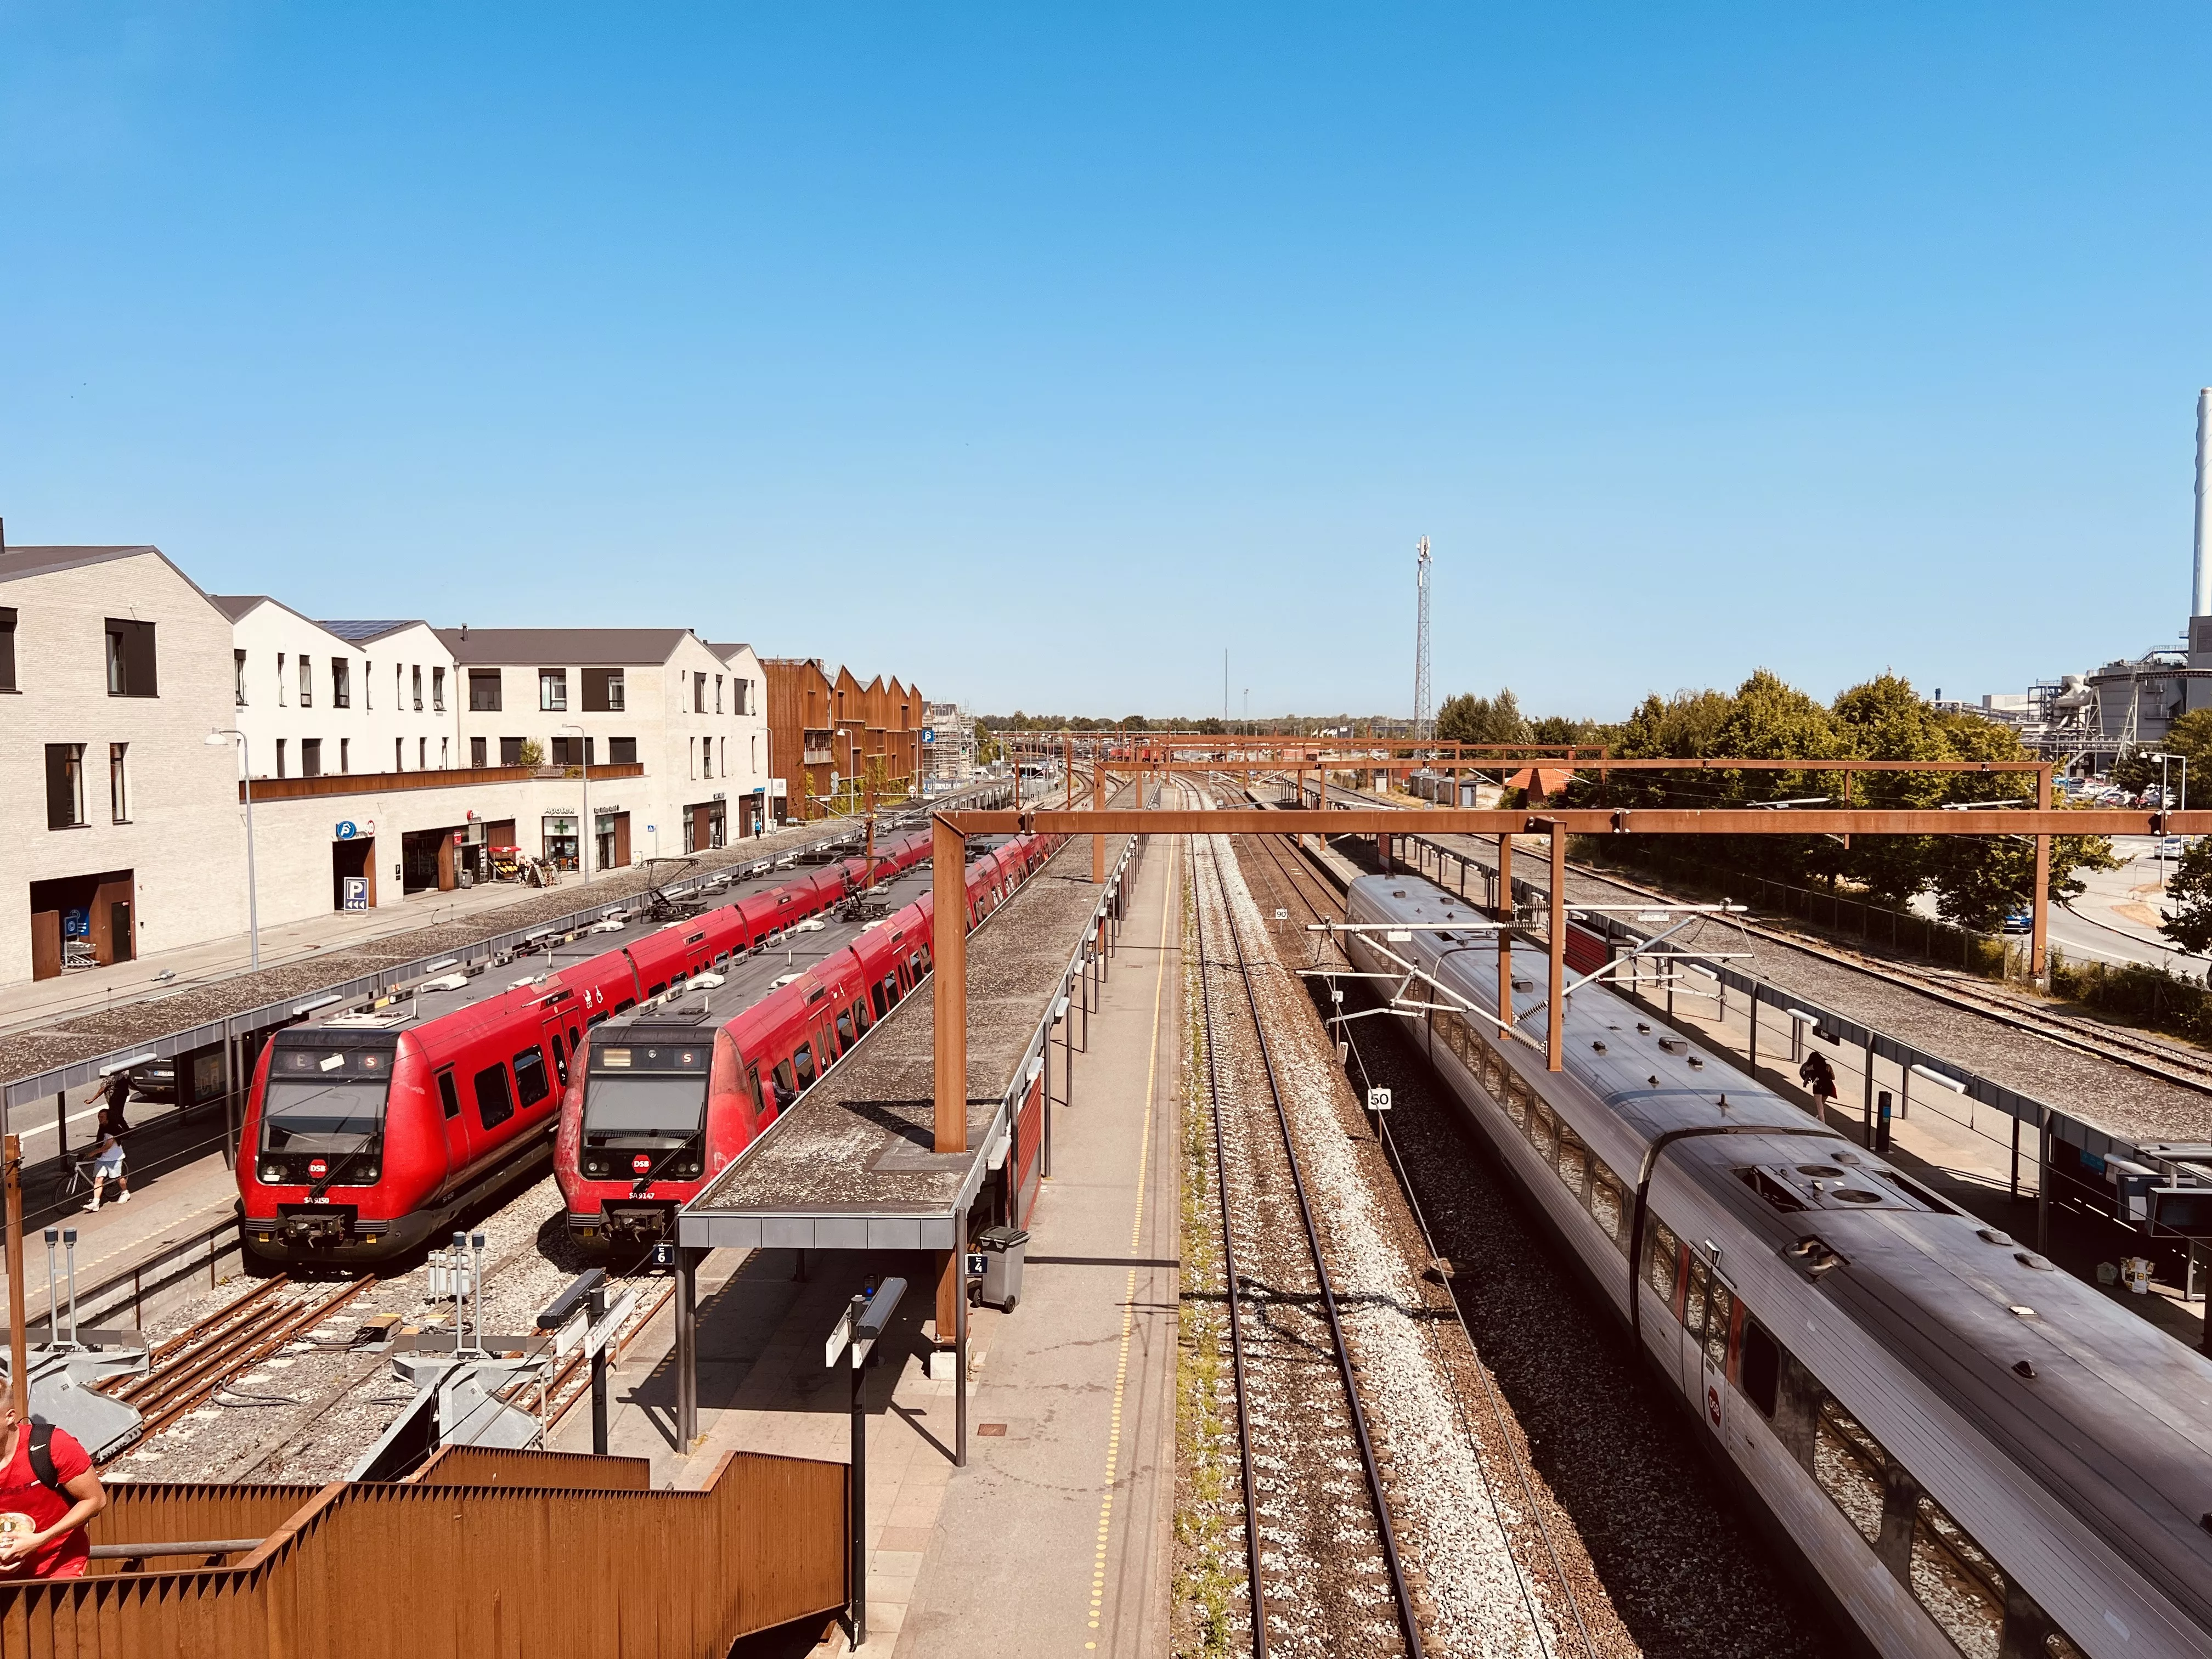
(317, 1169)
(640, 1164)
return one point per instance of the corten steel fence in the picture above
(496, 1465)
(464, 1571)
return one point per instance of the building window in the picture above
(510, 751)
(8, 651)
(65, 784)
(341, 682)
(283, 701)
(417, 679)
(118, 783)
(311, 757)
(478, 753)
(345, 754)
(622, 752)
(280, 757)
(603, 691)
(725, 748)
(575, 751)
(399, 754)
(237, 677)
(553, 690)
(423, 754)
(691, 755)
(368, 684)
(438, 689)
(445, 753)
(718, 694)
(306, 682)
(129, 659)
(483, 690)
(698, 694)
(755, 768)
(741, 694)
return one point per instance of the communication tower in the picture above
(1424, 705)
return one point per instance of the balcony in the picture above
(371, 783)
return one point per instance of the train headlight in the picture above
(272, 1173)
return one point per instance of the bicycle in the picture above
(75, 1178)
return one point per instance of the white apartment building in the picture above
(657, 697)
(344, 697)
(122, 826)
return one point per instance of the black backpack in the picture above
(42, 1457)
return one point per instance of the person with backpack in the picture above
(49, 1491)
(1817, 1075)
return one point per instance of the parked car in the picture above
(2020, 920)
(156, 1080)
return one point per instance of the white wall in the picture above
(184, 839)
(382, 678)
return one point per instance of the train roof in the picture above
(2116, 1419)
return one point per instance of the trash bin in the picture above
(1004, 1248)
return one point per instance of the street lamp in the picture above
(220, 738)
(586, 829)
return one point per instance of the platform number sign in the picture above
(1378, 1100)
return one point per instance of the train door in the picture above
(1708, 1310)
(459, 1147)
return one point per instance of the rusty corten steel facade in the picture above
(546, 1569)
(1589, 821)
(948, 868)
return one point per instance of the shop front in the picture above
(706, 825)
(561, 840)
(83, 921)
(610, 829)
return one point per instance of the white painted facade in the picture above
(170, 838)
(313, 702)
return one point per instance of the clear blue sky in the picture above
(1039, 353)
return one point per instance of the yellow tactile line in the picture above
(1136, 1227)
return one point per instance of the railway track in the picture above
(202, 1360)
(1324, 1574)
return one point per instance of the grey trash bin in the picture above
(1003, 1250)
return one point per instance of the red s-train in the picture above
(667, 1096)
(367, 1133)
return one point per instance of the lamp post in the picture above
(586, 830)
(219, 738)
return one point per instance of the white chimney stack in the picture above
(2200, 603)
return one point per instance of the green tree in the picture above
(2188, 923)
(1469, 719)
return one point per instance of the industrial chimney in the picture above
(2200, 592)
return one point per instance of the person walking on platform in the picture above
(1820, 1077)
(107, 1157)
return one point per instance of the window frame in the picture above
(486, 692)
(65, 786)
(553, 690)
(490, 1113)
(131, 658)
(534, 1058)
(118, 783)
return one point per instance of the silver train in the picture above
(1977, 1453)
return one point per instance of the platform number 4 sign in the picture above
(1378, 1100)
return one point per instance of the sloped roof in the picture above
(360, 633)
(19, 562)
(554, 648)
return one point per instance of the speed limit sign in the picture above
(1378, 1100)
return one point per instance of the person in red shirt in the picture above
(54, 1544)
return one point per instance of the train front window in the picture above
(646, 1092)
(325, 1100)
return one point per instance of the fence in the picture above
(533, 1557)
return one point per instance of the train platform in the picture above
(1056, 1534)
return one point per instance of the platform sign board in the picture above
(1378, 1100)
(356, 892)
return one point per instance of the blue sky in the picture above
(1040, 353)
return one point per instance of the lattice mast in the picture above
(1424, 702)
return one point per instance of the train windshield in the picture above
(325, 1100)
(646, 1092)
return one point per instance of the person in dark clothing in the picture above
(1819, 1076)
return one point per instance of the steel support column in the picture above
(1097, 805)
(1504, 914)
(949, 1001)
(687, 1346)
(1554, 1019)
(2039, 940)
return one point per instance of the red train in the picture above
(367, 1133)
(667, 1096)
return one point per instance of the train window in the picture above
(1517, 1100)
(878, 995)
(596, 1021)
(1660, 1265)
(448, 1096)
(1574, 1162)
(575, 1038)
(860, 1020)
(530, 1084)
(625, 1005)
(752, 1082)
(786, 1085)
(844, 1033)
(1851, 1467)
(1759, 1372)
(1693, 1301)
(1720, 1311)
(560, 1061)
(1606, 1205)
(657, 989)
(1493, 1071)
(495, 1104)
(1544, 1132)
(1955, 1579)
(803, 1064)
